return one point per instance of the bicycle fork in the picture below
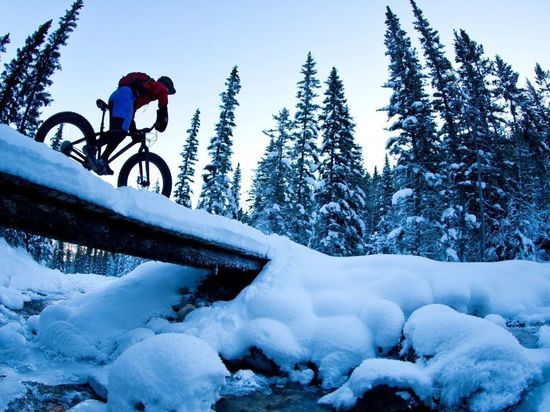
(144, 182)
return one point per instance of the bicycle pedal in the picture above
(66, 147)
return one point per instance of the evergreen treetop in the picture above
(15, 73)
(184, 191)
(34, 91)
(216, 194)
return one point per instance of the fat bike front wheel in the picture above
(146, 171)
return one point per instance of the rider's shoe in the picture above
(66, 147)
(90, 152)
(103, 168)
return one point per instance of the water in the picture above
(293, 398)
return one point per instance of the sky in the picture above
(197, 43)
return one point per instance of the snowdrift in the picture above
(335, 319)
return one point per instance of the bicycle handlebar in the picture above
(142, 131)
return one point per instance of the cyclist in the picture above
(134, 91)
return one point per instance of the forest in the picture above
(465, 176)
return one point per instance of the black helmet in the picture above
(167, 81)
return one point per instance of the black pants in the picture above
(112, 138)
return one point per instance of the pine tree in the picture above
(272, 182)
(415, 147)
(58, 256)
(338, 227)
(34, 92)
(305, 155)
(447, 103)
(237, 212)
(215, 197)
(15, 73)
(482, 153)
(4, 40)
(188, 160)
(535, 137)
(156, 186)
(57, 138)
(381, 210)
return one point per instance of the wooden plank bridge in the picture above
(52, 213)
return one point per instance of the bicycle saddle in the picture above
(101, 105)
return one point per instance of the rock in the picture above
(183, 312)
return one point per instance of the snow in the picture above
(38, 163)
(307, 312)
(410, 121)
(401, 194)
(375, 372)
(168, 372)
(544, 336)
(93, 326)
(474, 363)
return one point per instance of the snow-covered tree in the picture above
(186, 174)
(482, 153)
(57, 138)
(415, 205)
(216, 192)
(526, 223)
(15, 73)
(4, 40)
(304, 154)
(338, 227)
(58, 256)
(237, 212)
(272, 182)
(34, 94)
(447, 104)
(384, 191)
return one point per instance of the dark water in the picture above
(526, 335)
(287, 398)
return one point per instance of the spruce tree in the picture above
(236, 208)
(338, 227)
(535, 137)
(184, 191)
(381, 210)
(447, 103)
(58, 256)
(215, 197)
(482, 153)
(272, 182)
(415, 147)
(15, 73)
(304, 154)
(4, 40)
(57, 138)
(34, 92)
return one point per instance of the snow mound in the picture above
(168, 372)
(23, 279)
(470, 359)
(375, 372)
(336, 312)
(461, 360)
(109, 319)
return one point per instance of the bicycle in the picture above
(144, 169)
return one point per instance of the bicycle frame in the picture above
(80, 157)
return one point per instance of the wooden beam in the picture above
(49, 212)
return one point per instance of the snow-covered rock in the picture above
(168, 372)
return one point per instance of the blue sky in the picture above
(197, 43)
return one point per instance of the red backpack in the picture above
(135, 80)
